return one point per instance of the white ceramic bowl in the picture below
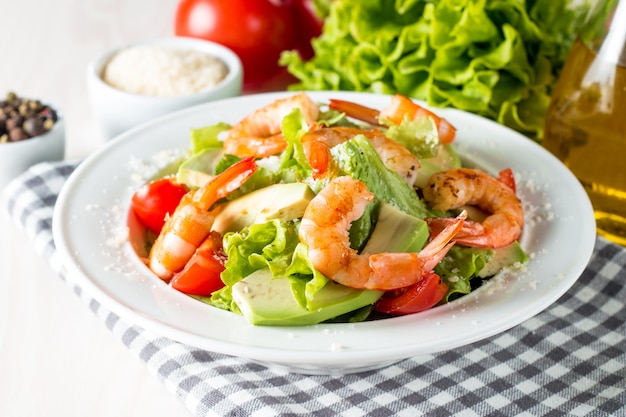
(17, 157)
(116, 111)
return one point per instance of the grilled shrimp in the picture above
(324, 229)
(396, 157)
(259, 134)
(191, 222)
(458, 187)
(400, 108)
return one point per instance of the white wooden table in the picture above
(56, 357)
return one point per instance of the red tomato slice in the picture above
(507, 177)
(155, 200)
(201, 275)
(418, 297)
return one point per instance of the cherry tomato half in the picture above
(507, 177)
(256, 30)
(155, 200)
(418, 297)
(201, 275)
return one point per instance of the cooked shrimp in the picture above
(259, 134)
(455, 188)
(400, 108)
(396, 157)
(191, 222)
(325, 230)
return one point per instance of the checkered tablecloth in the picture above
(569, 360)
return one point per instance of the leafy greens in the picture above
(496, 58)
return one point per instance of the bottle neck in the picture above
(613, 48)
(604, 31)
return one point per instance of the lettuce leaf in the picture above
(207, 137)
(496, 58)
(460, 268)
(274, 245)
(418, 136)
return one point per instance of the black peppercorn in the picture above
(34, 126)
(22, 118)
(14, 121)
(16, 134)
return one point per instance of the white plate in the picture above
(89, 232)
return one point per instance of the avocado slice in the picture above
(267, 301)
(200, 168)
(278, 201)
(446, 158)
(506, 256)
(396, 231)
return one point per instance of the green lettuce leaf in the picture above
(294, 164)
(496, 58)
(274, 245)
(418, 136)
(207, 137)
(460, 267)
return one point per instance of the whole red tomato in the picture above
(308, 23)
(256, 30)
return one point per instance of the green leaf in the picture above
(274, 245)
(419, 136)
(207, 137)
(459, 267)
(488, 57)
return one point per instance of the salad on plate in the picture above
(306, 212)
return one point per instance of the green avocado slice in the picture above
(267, 301)
(396, 231)
(508, 256)
(278, 201)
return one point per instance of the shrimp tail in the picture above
(356, 111)
(225, 183)
(442, 242)
(473, 234)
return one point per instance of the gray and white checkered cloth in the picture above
(569, 360)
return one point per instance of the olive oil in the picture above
(586, 129)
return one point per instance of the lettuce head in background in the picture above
(496, 58)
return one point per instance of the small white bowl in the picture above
(17, 157)
(116, 111)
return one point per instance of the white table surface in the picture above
(56, 357)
